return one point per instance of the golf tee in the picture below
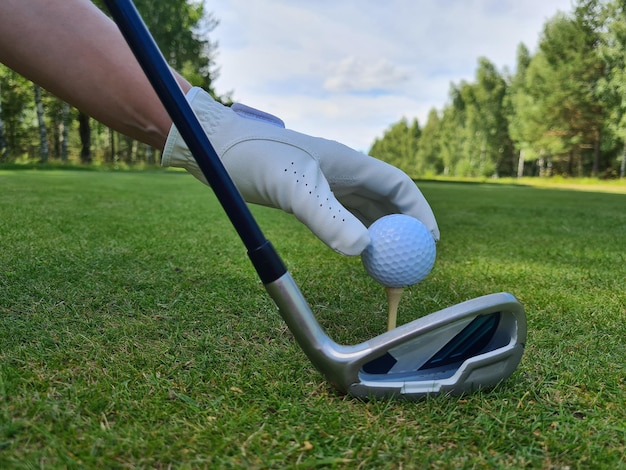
(393, 300)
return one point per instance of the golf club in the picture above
(469, 346)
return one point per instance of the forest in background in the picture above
(562, 111)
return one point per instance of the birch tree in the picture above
(3, 140)
(41, 125)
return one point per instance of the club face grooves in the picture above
(468, 343)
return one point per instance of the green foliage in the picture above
(486, 122)
(524, 121)
(181, 29)
(428, 158)
(18, 115)
(399, 145)
(452, 138)
(612, 87)
(135, 333)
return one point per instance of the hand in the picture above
(334, 190)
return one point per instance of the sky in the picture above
(349, 69)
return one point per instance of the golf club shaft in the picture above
(263, 256)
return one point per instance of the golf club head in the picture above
(469, 346)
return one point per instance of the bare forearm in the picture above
(73, 50)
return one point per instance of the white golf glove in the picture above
(334, 190)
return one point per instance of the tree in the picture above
(489, 148)
(452, 135)
(84, 131)
(62, 128)
(41, 125)
(612, 86)
(399, 145)
(589, 16)
(181, 29)
(3, 140)
(474, 138)
(519, 104)
(429, 150)
(17, 114)
(562, 81)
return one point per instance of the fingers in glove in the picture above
(371, 188)
(295, 184)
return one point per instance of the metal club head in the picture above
(466, 347)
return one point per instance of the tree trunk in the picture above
(84, 130)
(149, 154)
(133, 150)
(622, 168)
(65, 117)
(113, 157)
(130, 150)
(549, 166)
(4, 149)
(520, 164)
(570, 163)
(596, 154)
(41, 125)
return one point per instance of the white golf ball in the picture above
(401, 251)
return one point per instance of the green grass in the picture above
(554, 182)
(134, 332)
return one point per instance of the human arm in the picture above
(76, 52)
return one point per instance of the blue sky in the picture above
(348, 69)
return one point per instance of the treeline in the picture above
(37, 127)
(563, 110)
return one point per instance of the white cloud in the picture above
(347, 70)
(359, 74)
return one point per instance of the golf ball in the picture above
(401, 251)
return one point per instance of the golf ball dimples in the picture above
(401, 251)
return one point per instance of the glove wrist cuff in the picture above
(210, 114)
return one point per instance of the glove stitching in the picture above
(228, 146)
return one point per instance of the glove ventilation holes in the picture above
(314, 191)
